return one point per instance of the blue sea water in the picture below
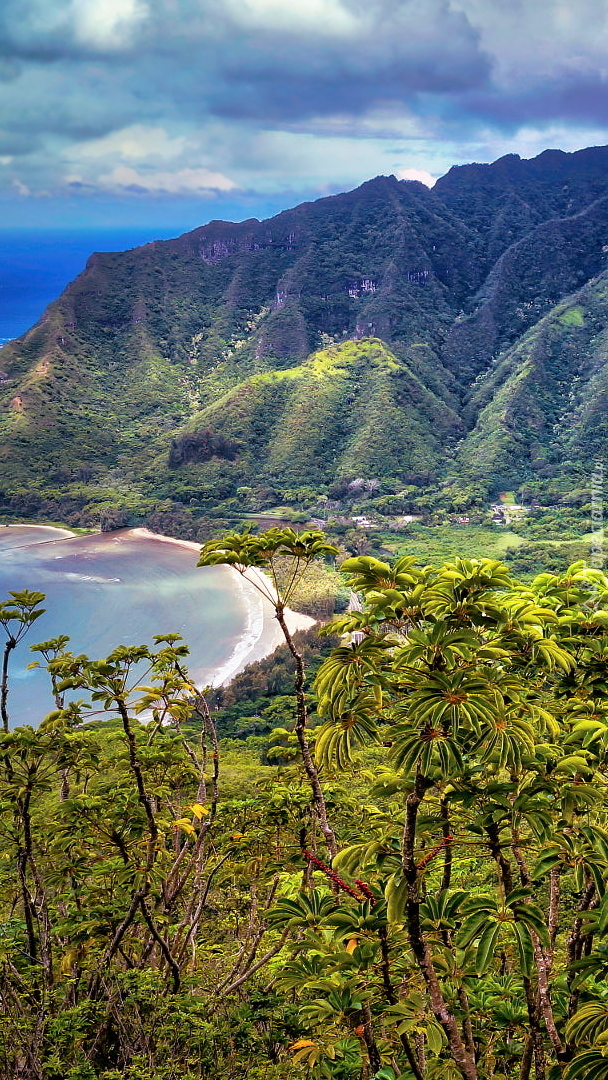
(37, 264)
(117, 588)
(122, 588)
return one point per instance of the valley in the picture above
(420, 374)
(439, 345)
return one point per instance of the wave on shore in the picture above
(105, 589)
(250, 638)
(262, 634)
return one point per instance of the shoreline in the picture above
(261, 634)
(269, 636)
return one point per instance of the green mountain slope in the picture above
(353, 409)
(527, 280)
(544, 404)
(143, 340)
(359, 335)
(503, 201)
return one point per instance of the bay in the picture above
(122, 588)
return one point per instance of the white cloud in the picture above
(199, 181)
(56, 27)
(537, 38)
(301, 97)
(103, 24)
(147, 159)
(387, 120)
(416, 174)
(134, 143)
(530, 141)
(321, 17)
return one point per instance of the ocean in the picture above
(36, 265)
(122, 588)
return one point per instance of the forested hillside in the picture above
(404, 880)
(392, 333)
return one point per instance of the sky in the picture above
(168, 113)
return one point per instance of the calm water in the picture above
(122, 588)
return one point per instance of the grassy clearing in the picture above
(440, 542)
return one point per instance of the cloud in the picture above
(20, 188)
(183, 96)
(416, 174)
(36, 29)
(107, 24)
(142, 159)
(330, 17)
(199, 181)
(390, 54)
(134, 143)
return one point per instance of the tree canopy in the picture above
(428, 901)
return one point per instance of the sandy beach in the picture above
(265, 634)
(94, 569)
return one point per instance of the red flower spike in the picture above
(435, 851)
(367, 892)
(337, 880)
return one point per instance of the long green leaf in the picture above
(485, 949)
(525, 948)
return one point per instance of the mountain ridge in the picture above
(422, 293)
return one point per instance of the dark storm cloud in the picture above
(282, 94)
(288, 74)
(237, 62)
(573, 98)
(196, 87)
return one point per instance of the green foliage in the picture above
(483, 692)
(121, 915)
(175, 910)
(16, 618)
(178, 368)
(286, 554)
(531, 559)
(573, 316)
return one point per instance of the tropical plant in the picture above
(485, 851)
(285, 556)
(16, 618)
(453, 922)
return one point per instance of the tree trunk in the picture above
(10, 645)
(300, 730)
(463, 1060)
